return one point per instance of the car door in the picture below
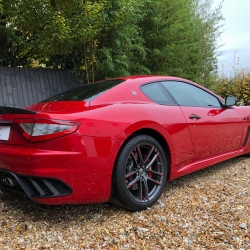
(170, 116)
(214, 129)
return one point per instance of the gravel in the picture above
(209, 209)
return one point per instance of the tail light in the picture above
(37, 130)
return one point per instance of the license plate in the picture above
(4, 133)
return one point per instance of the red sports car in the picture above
(117, 140)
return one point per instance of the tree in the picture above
(108, 38)
(44, 28)
(210, 30)
(121, 47)
(117, 49)
(179, 40)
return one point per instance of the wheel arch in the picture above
(157, 136)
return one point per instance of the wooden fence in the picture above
(20, 87)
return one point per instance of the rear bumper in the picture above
(78, 176)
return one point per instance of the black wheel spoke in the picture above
(140, 190)
(141, 163)
(155, 181)
(149, 154)
(135, 160)
(152, 161)
(130, 184)
(154, 172)
(131, 173)
(145, 184)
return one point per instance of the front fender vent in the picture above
(246, 137)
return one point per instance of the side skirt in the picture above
(198, 165)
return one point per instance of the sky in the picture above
(236, 37)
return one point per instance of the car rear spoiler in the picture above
(10, 110)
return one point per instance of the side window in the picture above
(157, 93)
(189, 95)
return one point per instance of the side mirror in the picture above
(230, 100)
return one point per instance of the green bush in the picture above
(237, 85)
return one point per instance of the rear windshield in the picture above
(86, 92)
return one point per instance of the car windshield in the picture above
(85, 92)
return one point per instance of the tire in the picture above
(140, 174)
(4, 190)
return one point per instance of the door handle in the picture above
(194, 117)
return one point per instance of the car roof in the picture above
(129, 89)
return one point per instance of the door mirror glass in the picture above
(230, 101)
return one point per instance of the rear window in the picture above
(87, 92)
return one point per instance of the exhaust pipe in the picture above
(8, 181)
